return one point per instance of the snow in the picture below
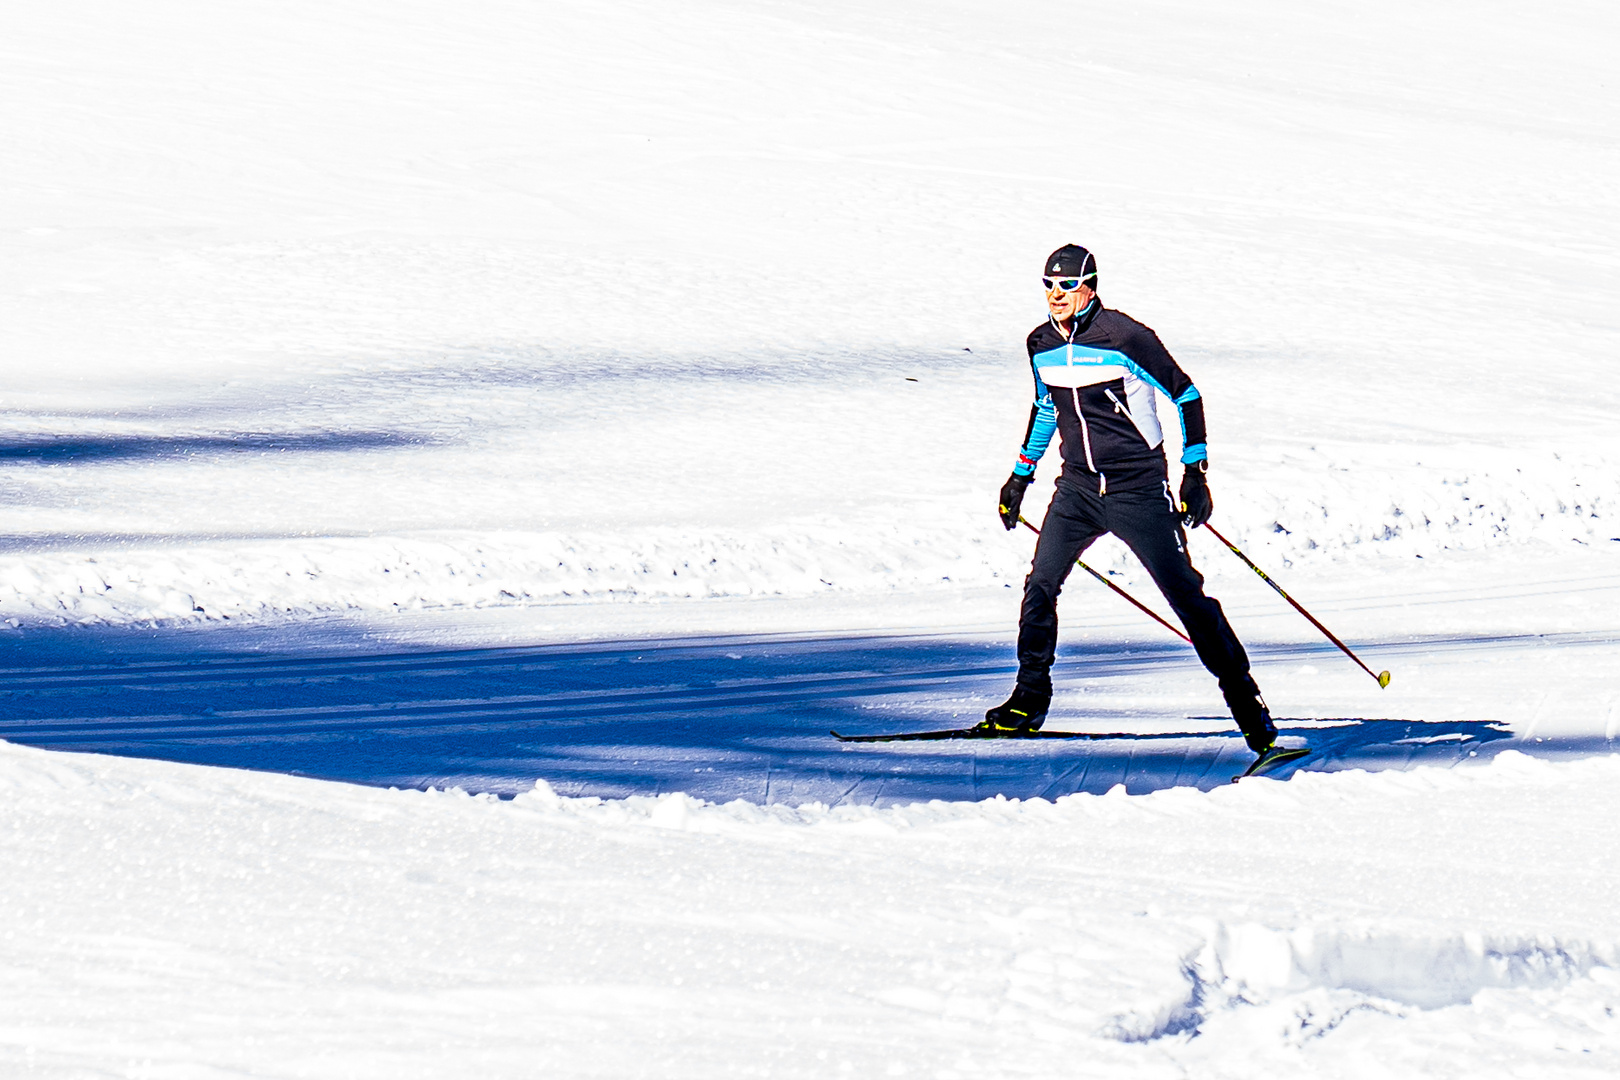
(234, 924)
(522, 305)
(378, 378)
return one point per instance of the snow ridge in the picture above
(1321, 974)
(1291, 518)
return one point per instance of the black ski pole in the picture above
(1149, 612)
(1382, 676)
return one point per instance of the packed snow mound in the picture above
(1326, 973)
(1143, 934)
(1428, 973)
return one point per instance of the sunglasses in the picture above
(1068, 284)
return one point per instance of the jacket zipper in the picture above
(1085, 431)
(1085, 440)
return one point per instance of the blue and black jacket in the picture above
(1096, 386)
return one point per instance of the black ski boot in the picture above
(1253, 718)
(1024, 712)
(1252, 715)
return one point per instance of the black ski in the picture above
(975, 733)
(1271, 760)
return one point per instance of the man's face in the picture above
(1066, 297)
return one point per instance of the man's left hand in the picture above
(1196, 504)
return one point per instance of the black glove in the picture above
(1196, 505)
(1012, 495)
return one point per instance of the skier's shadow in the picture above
(718, 717)
(1202, 756)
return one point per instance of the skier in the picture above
(1097, 373)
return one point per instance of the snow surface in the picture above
(343, 307)
(226, 923)
(418, 354)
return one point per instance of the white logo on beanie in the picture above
(1055, 267)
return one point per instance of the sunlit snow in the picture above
(534, 425)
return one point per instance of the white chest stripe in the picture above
(1065, 375)
(1140, 401)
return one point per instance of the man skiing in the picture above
(1097, 374)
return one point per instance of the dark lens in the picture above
(1069, 284)
(1047, 282)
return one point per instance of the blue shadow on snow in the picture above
(719, 718)
(88, 449)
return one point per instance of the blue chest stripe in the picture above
(1070, 356)
(1083, 356)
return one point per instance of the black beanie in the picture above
(1072, 261)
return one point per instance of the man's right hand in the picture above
(1012, 496)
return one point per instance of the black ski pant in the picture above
(1148, 522)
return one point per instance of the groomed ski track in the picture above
(718, 717)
